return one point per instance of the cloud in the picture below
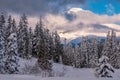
(36, 6)
(110, 9)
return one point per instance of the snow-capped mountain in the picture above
(79, 39)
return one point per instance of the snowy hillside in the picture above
(62, 73)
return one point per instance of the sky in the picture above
(109, 7)
(34, 7)
(71, 18)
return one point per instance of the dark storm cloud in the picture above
(36, 6)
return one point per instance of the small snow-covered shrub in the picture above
(104, 69)
(27, 69)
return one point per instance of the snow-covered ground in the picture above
(61, 73)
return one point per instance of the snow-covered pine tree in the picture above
(43, 61)
(36, 41)
(106, 48)
(8, 31)
(30, 44)
(113, 55)
(84, 52)
(14, 27)
(58, 48)
(2, 43)
(23, 37)
(48, 43)
(68, 56)
(117, 56)
(110, 48)
(65, 57)
(77, 57)
(12, 57)
(11, 63)
(104, 68)
(8, 27)
(51, 46)
(93, 55)
(100, 47)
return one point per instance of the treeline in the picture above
(22, 42)
(88, 53)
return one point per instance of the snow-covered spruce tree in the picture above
(110, 48)
(30, 44)
(117, 57)
(84, 52)
(113, 56)
(14, 27)
(2, 43)
(93, 55)
(7, 31)
(43, 61)
(23, 37)
(68, 55)
(77, 57)
(49, 44)
(65, 57)
(8, 27)
(58, 48)
(104, 68)
(36, 41)
(11, 63)
(11, 55)
(100, 47)
(107, 45)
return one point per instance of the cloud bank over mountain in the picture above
(83, 22)
(76, 22)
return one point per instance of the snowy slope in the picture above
(69, 73)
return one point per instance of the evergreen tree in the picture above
(68, 55)
(8, 27)
(104, 68)
(2, 43)
(14, 28)
(23, 37)
(77, 57)
(30, 45)
(43, 62)
(100, 48)
(84, 52)
(113, 55)
(106, 48)
(51, 46)
(11, 63)
(93, 55)
(117, 56)
(110, 48)
(58, 48)
(36, 40)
